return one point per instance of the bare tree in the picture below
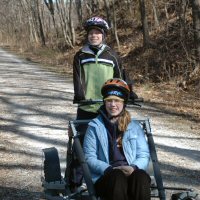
(38, 17)
(32, 12)
(196, 25)
(145, 28)
(64, 21)
(107, 6)
(79, 9)
(115, 23)
(155, 11)
(50, 6)
(71, 24)
(92, 6)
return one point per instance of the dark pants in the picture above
(76, 172)
(114, 185)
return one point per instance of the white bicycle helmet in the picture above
(97, 22)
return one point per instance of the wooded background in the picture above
(158, 40)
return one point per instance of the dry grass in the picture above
(171, 99)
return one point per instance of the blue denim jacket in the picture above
(96, 148)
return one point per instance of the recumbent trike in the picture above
(56, 187)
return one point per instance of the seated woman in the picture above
(116, 149)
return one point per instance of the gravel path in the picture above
(35, 107)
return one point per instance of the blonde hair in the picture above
(124, 120)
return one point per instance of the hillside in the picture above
(159, 71)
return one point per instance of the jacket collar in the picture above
(86, 49)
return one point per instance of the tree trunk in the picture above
(107, 5)
(71, 25)
(145, 28)
(79, 10)
(29, 13)
(196, 24)
(64, 25)
(50, 7)
(115, 24)
(155, 11)
(41, 30)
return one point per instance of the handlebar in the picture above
(94, 101)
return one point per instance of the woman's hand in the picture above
(127, 170)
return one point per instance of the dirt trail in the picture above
(35, 106)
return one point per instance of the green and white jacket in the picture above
(90, 71)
